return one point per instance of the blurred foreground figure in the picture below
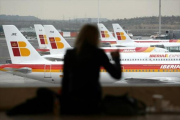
(81, 90)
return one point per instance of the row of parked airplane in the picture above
(122, 39)
(27, 62)
(44, 45)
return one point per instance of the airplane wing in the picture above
(22, 70)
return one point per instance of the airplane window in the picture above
(166, 70)
(129, 70)
(153, 70)
(127, 59)
(142, 70)
(132, 70)
(60, 71)
(149, 70)
(163, 70)
(133, 59)
(139, 70)
(176, 70)
(136, 70)
(158, 70)
(126, 70)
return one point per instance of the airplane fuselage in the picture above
(53, 72)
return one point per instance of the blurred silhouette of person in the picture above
(81, 89)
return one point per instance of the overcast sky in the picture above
(111, 9)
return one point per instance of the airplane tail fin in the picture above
(120, 34)
(57, 44)
(20, 50)
(41, 36)
(105, 35)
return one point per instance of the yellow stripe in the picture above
(149, 49)
(1, 69)
(178, 41)
(42, 70)
(147, 70)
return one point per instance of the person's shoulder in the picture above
(70, 51)
(99, 50)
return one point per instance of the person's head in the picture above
(88, 35)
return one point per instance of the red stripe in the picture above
(103, 35)
(14, 44)
(172, 40)
(42, 41)
(60, 66)
(16, 52)
(140, 49)
(148, 41)
(53, 45)
(112, 50)
(41, 36)
(112, 42)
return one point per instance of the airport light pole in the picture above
(159, 17)
(98, 11)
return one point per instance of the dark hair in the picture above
(88, 35)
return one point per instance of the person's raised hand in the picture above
(115, 54)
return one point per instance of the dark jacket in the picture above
(81, 72)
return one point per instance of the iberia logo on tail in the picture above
(104, 34)
(56, 43)
(43, 39)
(120, 36)
(19, 49)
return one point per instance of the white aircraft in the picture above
(120, 32)
(58, 45)
(42, 40)
(124, 40)
(27, 62)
